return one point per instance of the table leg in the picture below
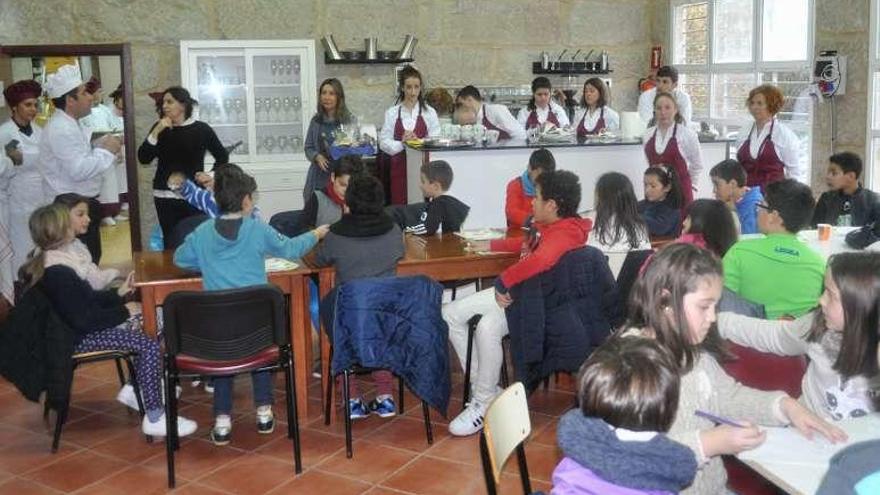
(325, 285)
(298, 338)
(148, 307)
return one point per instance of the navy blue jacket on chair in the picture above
(395, 323)
(558, 317)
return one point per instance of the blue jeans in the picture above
(263, 395)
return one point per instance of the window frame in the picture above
(871, 177)
(756, 67)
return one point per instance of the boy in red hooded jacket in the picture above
(521, 190)
(557, 229)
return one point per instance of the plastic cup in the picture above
(824, 231)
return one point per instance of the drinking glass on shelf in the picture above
(276, 108)
(258, 109)
(269, 143)
(288, 69)
(273, 66)
(240, 116)
(283, 144)
(288, 109)
(229, 116)
(296, 143)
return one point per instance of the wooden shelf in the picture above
(568, 68)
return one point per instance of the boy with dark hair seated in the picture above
(846, 203)
(521, 190)
(729, 186)
(778, 270)
(559, 230)
(326, 206)
(439, 211)
(365, 243)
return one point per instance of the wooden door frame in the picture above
(123, 51)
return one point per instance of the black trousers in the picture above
(92, 237)
(170, 212)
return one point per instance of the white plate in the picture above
(481, 234)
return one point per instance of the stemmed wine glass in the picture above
(276, 107)
(258, 109)
(288, 69)
(288, 109)
(274, 68)
(269, 144)
(238, 104)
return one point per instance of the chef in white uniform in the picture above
(667, 82)
(21, 187)
(68, 161)
(492, 116)
(103, 119)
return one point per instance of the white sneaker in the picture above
(108, 221)
(127, 397)
(469, 421)
(184, 426)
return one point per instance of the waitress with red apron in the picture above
(671, 143)
(541, 108)
(596, 115)
(493, 117)
(410, 118)
(770, 150)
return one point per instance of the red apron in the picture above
(764, 169)
(397, 172)
(492, 127)
(532, 121)
(600, 124)
(672, 158)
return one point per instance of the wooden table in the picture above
(442, 257)
(156, 276)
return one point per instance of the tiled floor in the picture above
(102, 451)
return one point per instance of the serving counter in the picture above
(481, 173)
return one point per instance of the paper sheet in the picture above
(481, 234)
(279, 265)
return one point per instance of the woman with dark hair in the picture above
(409, 118)
(708, 223)
(541, 107)
(331, 113)
(179, 141)
(770, 151)
(672, 143)
(596, 115)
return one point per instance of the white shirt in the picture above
(682, 99)
(103, 118)
(612, 118)
(785, 142)
(688, 146)
(67, 160)
(523, 116)
(616, 252)
(408, 118)
(501, 118)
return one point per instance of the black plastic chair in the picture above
(288, 223)
(222, 333)
(629, 272)
(94, 357)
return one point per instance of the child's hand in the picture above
(176, 180)
(127, 287)
(134, 308)
(321, 231)
(503, 300)
(205, 180)
(726, 439)
(806, 422)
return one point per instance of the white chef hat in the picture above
(66, 78)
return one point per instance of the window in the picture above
(872, 154)
(724, 48)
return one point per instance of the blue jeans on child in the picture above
(263, 396)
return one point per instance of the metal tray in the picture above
(447, 143)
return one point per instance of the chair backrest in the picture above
(288, 223)
(183, 229)
(226, 324)
(629, 272)
(506, 425)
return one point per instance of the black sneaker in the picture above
(265, 422)
(221, 436)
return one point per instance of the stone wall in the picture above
(460, 41)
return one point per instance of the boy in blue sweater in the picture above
(729, 186)
(229, 251)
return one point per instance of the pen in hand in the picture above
(718, 419)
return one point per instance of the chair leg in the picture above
(523, 469)
(491, 487)
(119, 372)
(345, 398)
(328, 405)
(505, 380)
(137, 391)
(472, 328)
(292, 415)
(169, 441)
(59, 423)
(429, 431)
(400, 407)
